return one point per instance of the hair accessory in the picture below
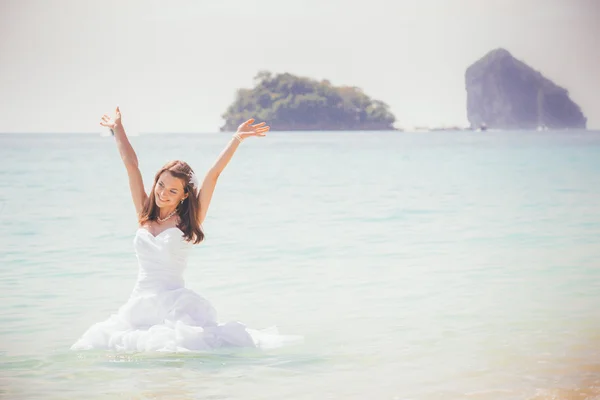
(194, 181)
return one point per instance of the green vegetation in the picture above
(288, 103)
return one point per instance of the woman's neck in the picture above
(166, 213)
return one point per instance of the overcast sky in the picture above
(174, 66)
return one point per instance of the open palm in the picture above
(111, 122)
(247, 129)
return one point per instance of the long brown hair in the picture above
(188, 211)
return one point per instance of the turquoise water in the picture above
(441, 265)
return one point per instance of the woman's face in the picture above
(169, 190)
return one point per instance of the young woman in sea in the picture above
(161, 313)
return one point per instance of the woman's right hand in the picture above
(111, 122)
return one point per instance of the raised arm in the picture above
(136, 184)
(207, 188)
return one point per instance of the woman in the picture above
(161, 314)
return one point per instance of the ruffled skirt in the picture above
(174, 321)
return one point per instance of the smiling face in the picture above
(171, 185)
(169, 191)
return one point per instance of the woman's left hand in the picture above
(248, 129)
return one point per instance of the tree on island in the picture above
(289, 103)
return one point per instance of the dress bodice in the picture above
(161, 260)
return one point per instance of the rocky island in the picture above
(505, 93)
(291, 103)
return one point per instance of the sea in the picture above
(429, 266)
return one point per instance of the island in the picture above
(294, 103)
(505, 93)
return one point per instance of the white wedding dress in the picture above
(162, 315)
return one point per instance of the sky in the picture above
(175, 66)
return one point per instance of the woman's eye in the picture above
(173, 191)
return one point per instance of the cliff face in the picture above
(505, 93)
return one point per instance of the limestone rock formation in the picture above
(505, 93)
